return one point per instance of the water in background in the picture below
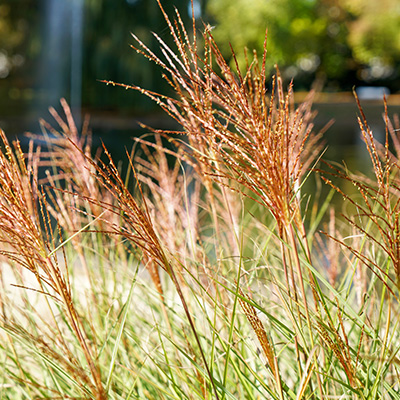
(343, 139)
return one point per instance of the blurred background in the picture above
(62, 48)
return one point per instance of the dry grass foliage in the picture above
(29, 241)
(219, 222)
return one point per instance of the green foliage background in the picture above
(340, 41)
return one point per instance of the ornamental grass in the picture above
(203, 270)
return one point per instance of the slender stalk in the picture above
(295, 253)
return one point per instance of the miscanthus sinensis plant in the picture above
(199, 272)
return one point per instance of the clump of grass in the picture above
(194, 274)
(29, 241)
(236, 134)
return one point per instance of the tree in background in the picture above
(338, 41)
(374, 37)
(13, 32)
(18, 48)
